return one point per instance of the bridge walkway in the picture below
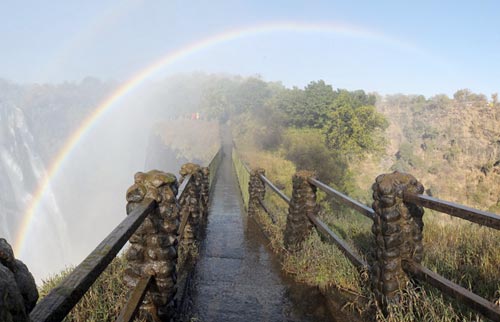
(237, 278)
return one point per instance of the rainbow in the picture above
(167, 60)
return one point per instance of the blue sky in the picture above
(434, 46)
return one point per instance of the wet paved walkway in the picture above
(237, 278)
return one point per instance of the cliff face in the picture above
(451, 145)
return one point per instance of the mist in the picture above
(49, 48)
(86, 196)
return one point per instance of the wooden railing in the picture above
(456, 291)
(411, 266)
(60, 300)
(56, 305)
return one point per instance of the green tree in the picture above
(354, 131)
(291, 103)
(250, 95)
(307, 108)
(318, 102)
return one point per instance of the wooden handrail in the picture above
(274, 188)
(183, 186)
(326, 232)
(61, 299)
(356, 205)
(129, 311)
(213, 171)
(266, 209)
(456, 291)
(474, 215)
(185, 216)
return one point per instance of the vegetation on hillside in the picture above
(457, 138)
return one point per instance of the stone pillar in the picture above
(303, 202)
(191, 202)
(256, 190)
(18, 292)
(205, 192)
(153, 249)
(397, 227)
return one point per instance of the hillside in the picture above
(451, 145)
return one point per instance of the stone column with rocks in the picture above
(205, 192)
(191, 203)
(256, 191)
(153, 249)
(18, 292)
(397, 227)
(302, 203)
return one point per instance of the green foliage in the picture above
(292, 104)
(306, 148)
(318, 99)
(250, 95)
(354, 131)
(215, 99)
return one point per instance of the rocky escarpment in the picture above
(451, 145)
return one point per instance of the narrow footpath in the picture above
(237, 278)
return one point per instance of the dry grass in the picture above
(103, 301)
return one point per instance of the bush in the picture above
(306, 148)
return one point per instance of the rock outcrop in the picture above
(18, 292)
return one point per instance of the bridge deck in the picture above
(237, 278)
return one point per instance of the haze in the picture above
(71, 56)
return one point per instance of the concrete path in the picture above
(237, 277)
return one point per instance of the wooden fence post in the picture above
(303, 201)
(256, 191)
(397, 227)
(153, 249)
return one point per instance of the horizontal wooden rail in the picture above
(275, 189)
(180, 195)
(266, 209)
(247, 168)
(129, 311)
(326, 232)
(474, 215)
(456, 291)
(61, 299)
(356, 205)
(213, 166)
(183, 186)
